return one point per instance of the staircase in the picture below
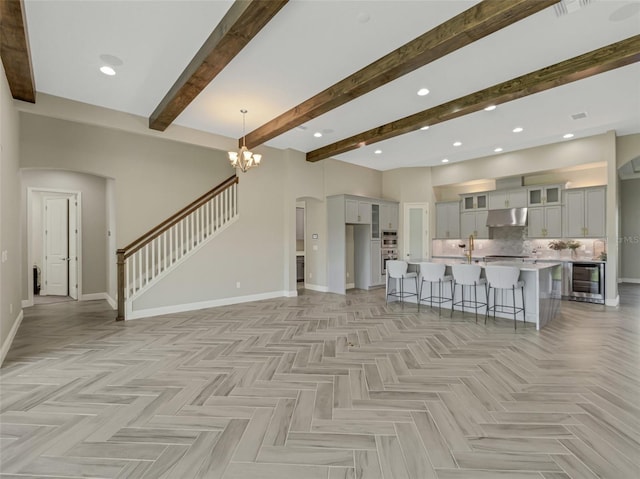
(151, 257)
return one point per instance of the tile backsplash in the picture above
(512, 241)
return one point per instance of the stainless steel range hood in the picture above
(507, 217)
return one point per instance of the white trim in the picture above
(349, 285)
(291, 294)
(316, 287)
(612, 302)
(27, 303)
(99, 296)
(72, 193)
(629, 280)
(181, 308)
(7, 342)
(406, 223)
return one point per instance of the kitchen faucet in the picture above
(470, 249)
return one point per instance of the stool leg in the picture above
(401, 291)
(418, 297)
(453, 295)
(513, 291)
(486, 312)
(386, 299)
(475, 299)
(463, 300)
(524, 314)
(440, 297)
(494, 303)
(420, 293)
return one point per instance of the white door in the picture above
(73, 248)
(56, 242)
(416, 231)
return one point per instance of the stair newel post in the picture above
(121, 283)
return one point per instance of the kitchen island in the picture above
(542, 290)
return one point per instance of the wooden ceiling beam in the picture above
(477, 22)
(14, 50)
(584, 66)
(239, 26)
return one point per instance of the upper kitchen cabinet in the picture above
(585, 212)
(448, 220)
(477, 201)
(544, 195)
(544, 222)
(375, 221)
(474, 223)
(500, 199)
(389, 216)
(357, 212)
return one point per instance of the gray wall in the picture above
(10, 272)
(630, 229)
(94, 223)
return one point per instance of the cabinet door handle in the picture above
(358, 217)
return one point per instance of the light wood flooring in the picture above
(322, 386)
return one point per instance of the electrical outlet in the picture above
(238, 284)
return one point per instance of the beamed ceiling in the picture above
(348, 70)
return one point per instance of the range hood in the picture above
(507, 217)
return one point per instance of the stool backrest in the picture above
(466, 273)
(432, 271)
(397, 269)
(502, 276)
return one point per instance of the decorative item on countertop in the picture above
(573, 245)
(557, 245)
(602, 256)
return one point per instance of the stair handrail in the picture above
(123, 253)
(156, 231)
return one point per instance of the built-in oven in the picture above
(387, 254)
(587, 282)
(389, 240)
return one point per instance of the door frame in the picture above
(405, 228)
(31, 191)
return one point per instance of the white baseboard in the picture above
(27, 303)
(612, 302)
(181, 308)
(629, 280)
(349, 286)
(291, 294)
(12, 334)
(316, 287)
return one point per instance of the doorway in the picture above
(54, 245)
(300, 243)
(416, 231)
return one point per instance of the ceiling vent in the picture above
(566, 7)
(579, 116)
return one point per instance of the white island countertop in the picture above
(523, 265)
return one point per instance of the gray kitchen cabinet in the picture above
(545, 222)
(500, 199)
(476, 201)
(448, 220)
(376, 264)
(474, 223)
(389, 216)
(544, 195)
(585, 212)
(357, 212)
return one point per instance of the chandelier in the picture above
(243, 158)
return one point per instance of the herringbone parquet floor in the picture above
(322, 386)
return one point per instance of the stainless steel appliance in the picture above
(389, 240)
(587, 282)
(387, 254)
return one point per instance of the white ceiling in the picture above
(311, 44)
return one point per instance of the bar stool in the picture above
(434, 273)
(467, 275)
(505, 278)
(398, 270)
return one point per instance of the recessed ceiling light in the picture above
(567, 136)
(317, 134)
(445, 160)
(377, 152)
(490, 108)
(457, 143)
(426, 127)
(423, 91)
(498, 150)
(107, 70)
(518, 129)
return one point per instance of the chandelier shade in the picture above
(244, 159)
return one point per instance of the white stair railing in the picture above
(154, 254)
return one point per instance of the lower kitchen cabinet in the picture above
(376, 264)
